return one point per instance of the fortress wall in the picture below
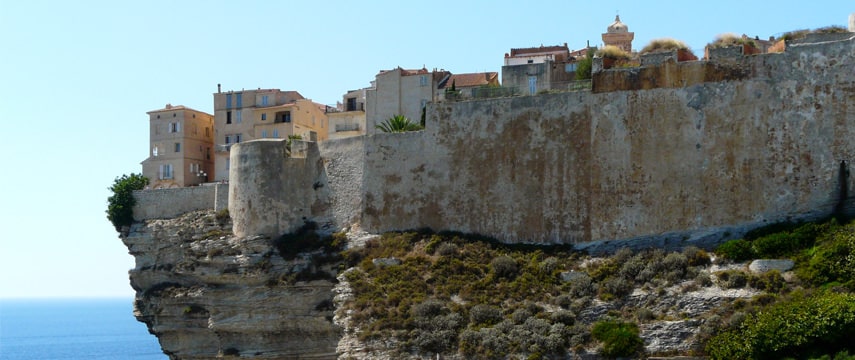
(578, 167)
(341, 182)
(269, 193)
(669, 164)
(169, 203)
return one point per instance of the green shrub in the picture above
(120, 205)
(222, 216)
(619, 339)
(771, 281)
(696, 256)
(832, 260)
(504, 267)
(806, 327)
(614, 288)
(732, 279)
(485, 315)
(736, 250)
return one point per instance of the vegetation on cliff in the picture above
(120, 205)
(452, 294)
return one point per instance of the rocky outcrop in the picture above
(205, 293)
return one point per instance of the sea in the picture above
(47, 329)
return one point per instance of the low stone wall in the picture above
(169, 203)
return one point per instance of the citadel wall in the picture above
(723, 153)
(169, 203)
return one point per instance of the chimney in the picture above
(168, 106)
(219, 88)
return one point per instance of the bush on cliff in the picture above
(619, 338)
(805, 327)
(120, 205)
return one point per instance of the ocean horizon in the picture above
(74, 328)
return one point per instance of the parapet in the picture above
(170, 203)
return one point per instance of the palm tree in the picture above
(398, 123)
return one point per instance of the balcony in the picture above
(223, 147)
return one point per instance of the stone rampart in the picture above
(721, 149)
(169, 203)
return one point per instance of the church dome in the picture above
(617, 26)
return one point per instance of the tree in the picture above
(120, 206)
(583, 69)
(398, 123)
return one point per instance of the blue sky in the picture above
(78, 77)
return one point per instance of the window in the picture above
(237, 138)
(174, 127)
(228, 117)
(423, 80)
(177, 147)
(166, 171)
(154, 151)
(264, 100)
(194, 168)
(530, 62)
(173, 114)
(228, 164)
(207, 132)
(208, 153)
(424, 103)
(158, 116)
(263, 134)
(228, 139)
(239, 97)
(228, 101)
(263, 116)
(532, 85)
(286, 117)
(276, 133)
(351, 104)
(238, 117)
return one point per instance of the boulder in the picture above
(766, 265)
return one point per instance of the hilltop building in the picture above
(617, 34)
(263, 113)
(348, 119)
(180, 143)
(466, 86)
(531, 70)
(402, 92)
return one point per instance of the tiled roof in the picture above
(170, 107)
(539, 50)
(471, 79)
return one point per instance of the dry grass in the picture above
(612, 52)
(664, 44)
(725, 40)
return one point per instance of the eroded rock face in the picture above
(205, 293)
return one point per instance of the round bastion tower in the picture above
(617, 34)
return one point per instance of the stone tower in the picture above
(852, 22)
(618, 35)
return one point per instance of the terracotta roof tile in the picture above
(539, 50)
(471, 79)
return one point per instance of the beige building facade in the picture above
(180, 147)
(401, 92)
(349, 118)
(262, 113)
